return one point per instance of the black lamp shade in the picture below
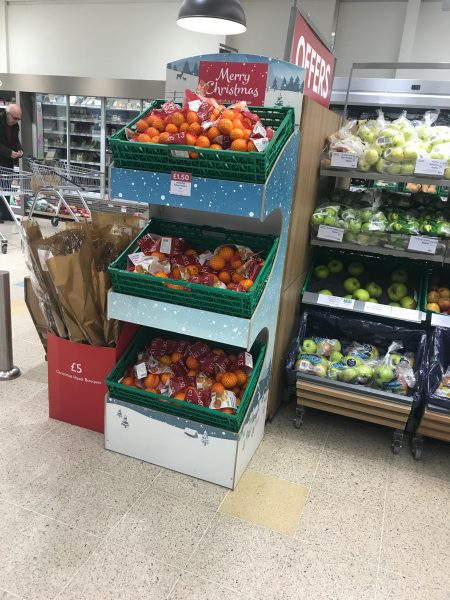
(212, 16)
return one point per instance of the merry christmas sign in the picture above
(232, 81)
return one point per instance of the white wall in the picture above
(432, 41)
(3, 42)
(98, 39)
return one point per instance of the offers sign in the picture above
(309, 52)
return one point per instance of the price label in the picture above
(344, 160)
(180, 183)
(166, 245)
(419, 243)
(123, 209)
(141, 370)
(404, 313)
(334, 234)
(430, 166)
(180, 153)
(440, 320)
(378, 309)
(336, 301)
(248, 360)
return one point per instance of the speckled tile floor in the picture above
(81, 523)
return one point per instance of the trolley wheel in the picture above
(55, 221)
(4, 248)
(397, 441)
(417, 447)
(300, 414)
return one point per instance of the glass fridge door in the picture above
(85, 131)
(51, 126)
(119, 112)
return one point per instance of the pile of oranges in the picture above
(224, 128)
(215, 380)
(229, 267)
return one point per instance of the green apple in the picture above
(447, 173)
(326, 292)
(394, 154)
(397, 291)
(321, 272)
(380, 165)
(364, 239)
(393, 168)
(407, 168)
(309, 346)
(399, 140)
(335, 356)
(373, 300)
(348, 296)
(374, 289)
(335, 266)
(329, 220)
(365, 215)
(399, 276)
(383, 373)
(396, 304)
(317, 219)
(408, 302)
(364, 374)
(411, 151)
(355, 269)
(337, 345)
(355, 225)
(395, 358)
(371, 156)
(320, 370)
(361, 294)
(348, 375)
(351, 284)
(363, 165)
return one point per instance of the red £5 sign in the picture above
(310, 53)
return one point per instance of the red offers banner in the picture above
(309, 52)
(234, 81)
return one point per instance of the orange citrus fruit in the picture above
(218, 351)
(143, 137)
(236, 262)
(165, 378)
(184, 127)
(192, 373)
(158, 124)
(191, 252)
(229, 380)
(179, 396)
(151, 390)
(228, 411)
(237, 278)
(237, 123)
(160, 255)
(191, 139)
(193, 155)
(236, 390)
(216, 147)
(239, 145)
(203, 141)
(176, 273)
(216, 263)
(178, 118)
(193, 269)
(246, 284)
(237, 134)
(195, 128)
(155, 140)
(192, 117)
(241, 376)
(192, 363)
(225, 126)
(176, 356)
(219, 376)
(128, 381)
(227, 252)
(228, 114)
(217, 388)
(152, 132)
(251, 147)
(171, 128)
(151, 381)
(247, 134)
(165, 360)
(163, 137)
(141, 125)
(212, 133)
(161, 274)
(225, 276)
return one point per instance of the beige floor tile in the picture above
(435, 460)
(4, 595)
(416, 548)
(313, 432)
(313, 573)
(287, 459)
(350, 475)
(16, 391)
(241, 556)
(112, 573)
(360, 439)
(257, 499)
(163, 526)
(190, 488)
(39, 555)
(191, 586)
(342, 525)
(393, 586)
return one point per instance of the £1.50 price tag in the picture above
(344, 160)
(180, 183)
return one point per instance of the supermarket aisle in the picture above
(344, 518)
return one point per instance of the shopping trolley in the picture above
(69, 184)
(13, 183)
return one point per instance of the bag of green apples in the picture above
(325, 346)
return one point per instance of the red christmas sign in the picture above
(308, 52)
(234, 81)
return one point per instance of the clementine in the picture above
(212, 133)
(236, 262)
(165, 378)
(143, 137)
(158, 124)
(191, 139)
(192, 363)
(217, 388)
(239, 145)
(179, 396)
(193, 269)
(152, 390)
(229, 380)
(225, 276)
(216, 263)
(203, 141)
(246, 284)
(218, 351)
(251, 147)
(184, 127)
(216, 147)
(228, 114)
(141, 125)
(163, 137)
(227, 252)
(228, 411)
(195, 128)
(178, 118)
(225, 126)
(151, 381)
(161, 274)
(191, 252)
(241, 376)
(193, 155)
(171, 128)
(237, 123)
(152, 132)
(165, 360)
(128, 381)
(176, 356)
(237, 134)
(237, 277)
(192, 117)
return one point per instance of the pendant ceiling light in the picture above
(219, 17)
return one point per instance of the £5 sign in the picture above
(309, 52)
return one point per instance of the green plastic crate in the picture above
(252, 167)
(228, 302)
(444, 273)
(173, 406)
(379, 268)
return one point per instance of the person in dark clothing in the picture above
(10, 146)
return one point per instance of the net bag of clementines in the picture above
(192, 372)
(204, 123)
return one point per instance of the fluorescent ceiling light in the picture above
(217, 17)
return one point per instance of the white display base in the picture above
(182, 445)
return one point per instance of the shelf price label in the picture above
(344, 160)
(334, 234)
(430, 166)
(407, 314)
(180, 183)
(378, 309)
(336, 301)
(420, 243)
(440, 320)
